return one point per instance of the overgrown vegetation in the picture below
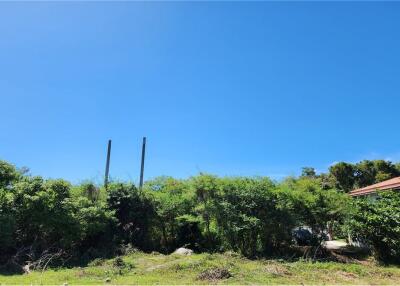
(346, 176)
(51, 222)
(226, 268)
(378, 223)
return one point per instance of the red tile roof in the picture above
(385, 185)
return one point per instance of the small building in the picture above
(392, 184)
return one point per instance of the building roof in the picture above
(385, 185)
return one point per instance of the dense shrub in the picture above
(44, 216)
(253, 216)
(315, 207)
(7, 223)
(377, 222)
(176, 223)
(347, 176)
(39, 218)
(95, 235)
(8, 174)
(134, 213)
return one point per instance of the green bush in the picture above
(176, 223)
(44, 215)
(7, 223)
(377, 222)
(134, 212)
(252, 216)
(8, 174)
(315, 207)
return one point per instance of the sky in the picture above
(247, 89)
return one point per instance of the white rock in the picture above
(183, 251)
(27, 268)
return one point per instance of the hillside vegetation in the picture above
(46, 223)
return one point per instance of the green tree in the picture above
(8, 174)
(95, 224)
(344, 175)
(370, 172)
(90, 191)
(133, 211)
(365, 173)
(377, 221)
(7, 224)
(206, 187)
(385, 170)
(308, 172)
(251, 216)
(327, 181)
(174, 202)
(315, 207)
(44, 216)
(397, 166)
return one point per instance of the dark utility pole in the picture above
(107, 164)
(142, 164)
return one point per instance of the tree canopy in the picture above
(254, 216)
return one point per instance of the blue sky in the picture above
(226, 88)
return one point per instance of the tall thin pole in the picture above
(142, 163)
(107, 164)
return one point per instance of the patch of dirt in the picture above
(277, 270)
(214, 274)
(347, 275)
(80, 273)
(381, 274)
(386, 275)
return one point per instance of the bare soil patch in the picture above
(214, 274)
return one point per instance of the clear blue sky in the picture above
(227, 88)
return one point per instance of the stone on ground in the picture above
(183, 251)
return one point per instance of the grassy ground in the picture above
(139, 268)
